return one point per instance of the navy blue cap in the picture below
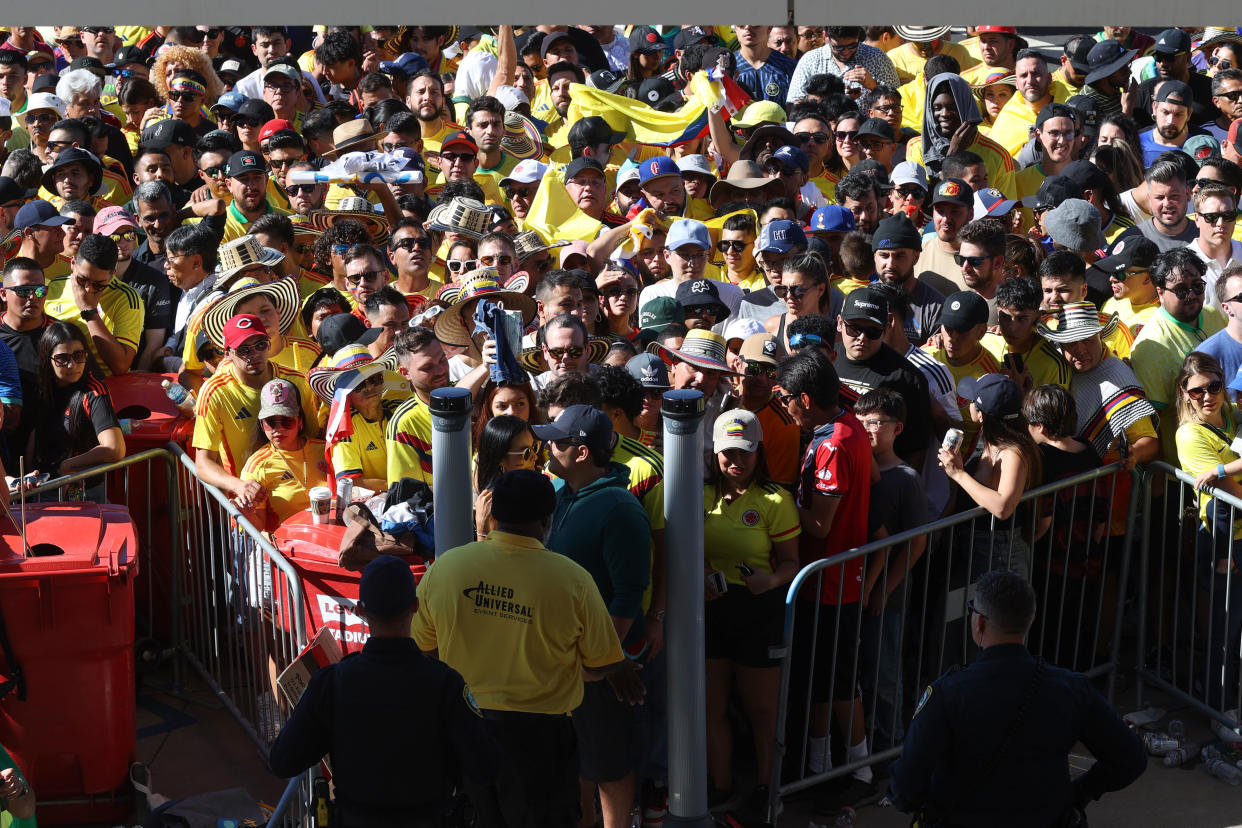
(996, 395)
(657, 167)
(791, 156)
(780, 236)
(409, 64)
(581, 423)
(38, 214)
(387, 589)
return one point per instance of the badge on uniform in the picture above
(926, 695)
(468, 697)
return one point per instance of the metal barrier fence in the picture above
(855, 670)
(1188, 641)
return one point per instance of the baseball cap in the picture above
(10, 190)
(780, 236)
(387, 588)
(758, 113)
(409, 65)
(646, 39)
(606, 80)
(908, 172)
(831, 218)
(1128, 252)
(93, 65)
(877, 127)
(1201, 147)
(896, 232)
(38, 214)
(170, 131)
(992, 202)
(41, 53)
(702, 293)
(659, 313)
(953, 191)
(737, 428)
(244, 161)
(688, 231)
(1174, 92)
(658, 92)
(760, 347)
(1009, 30)
(278, 399)
(583, 424)
(996, 395)
(1088, 113)
(1056, 110)
(1053, 190)
(230, 66)
(962, 310)
(695, 165)
(257, 110)
(231, 101)
(875, 170)
(242, 327)
(791, 156)
(1076, 50)
(1172, 42)
(687, 36)
(289, 70)
(657, 167)
(460, 139)
(1235, 129)
(337, 331)
(1086, 175)
(274, 126)
(593, 130)
(648, 369)
(511, 97)
(112, 218)
(868, 305)
(526, 172)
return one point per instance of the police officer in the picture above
(402, 729)
(988, 744)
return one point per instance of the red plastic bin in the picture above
(70, 620)
(312, 549)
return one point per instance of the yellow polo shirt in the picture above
(120, 309)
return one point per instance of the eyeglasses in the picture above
(1184, 292)
(340, 249)
(1219, 218)
(887, 109)
(796, 291)
(731, 245)
(41, 118)
(370, 383)
(973, 261)
(280, 423)
(760, 369)
(78, 357)
(855, 331)
(525, 192)
(876, 424)
(1214, 387)
(461, 265)
(573, 352)
(247, 351)
(618, 292)
(300, 189)
(458, 157)
(123, 235)
(26, 291)
(801, 340)
(808, 137)
(282, 163)
(210, 34)
(90, 284)
(366, 276)
(527, 452)
(183, 96)
(846, 135)
(411, 242)
(970, 605)
(59, 145)
(496, 261)
(1232, 97)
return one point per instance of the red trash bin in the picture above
(70, 620)
(312, 549)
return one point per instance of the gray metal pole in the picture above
(450, 468)
(687, 669)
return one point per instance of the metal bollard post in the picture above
(687, 669)
(450, 468)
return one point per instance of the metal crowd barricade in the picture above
(1188, 639)
(1070, 538)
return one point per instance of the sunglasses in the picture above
(1184, 292)
(246, 123)
(183, 96)
(59, 145)
(783, 172)
(410, 243)
(247, 351)
(616, 293)
(1233, 96)
(796, 291)
(90, 284)
(301, 189)
(573, 352)
(784, 397)
(71, 42)
(910, 191)
(456, 157)
(366, 276)
(370, 383)
(496, 261)
(809, 137)
(1223, 63)
(1219, 218)
(525, 192)
(760, 369)
(1214, 387)
(846, 135)
(98, 29)
(211, 34)
(696, 311)
(340, 249)
(41, 118)
(280, 423)
(461, 265)
(26, 291)
(801, 340)
(123, 235)
(731, 246)
(855, 331)
(1122, 275)
(282, 163)
(392, 146)
(528, 452)
(973, 261)
(68, 360)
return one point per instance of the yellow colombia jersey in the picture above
(1043, 361)
(120, 309)
(519, 622)
(982, 364)
(287, 476)
(743, 531)
(409, 442)
(1002, 170)
(1200, 449)
(226, 415)
(363, 453)
(1133, 316)
(237, 225)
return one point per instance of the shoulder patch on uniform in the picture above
(468, 698)
(926, 695)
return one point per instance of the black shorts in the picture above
(745, 628)
(826, 652)
(605, 728)
(538, 780)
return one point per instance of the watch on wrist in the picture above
(88, 314)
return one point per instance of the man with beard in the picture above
(1035, 90)
(426, 100)
(951, 124)
(998, 46)
(247, 174)
(271, 43)
(485, 121)
(953, 204)
(305, 198)
(1171, 111)
(896, 248)
(1108, 77)
(857, 193)
(561, 76)
(1169, 196)
(584, 180)
(21, 328)
(981, 257)
(660, 181)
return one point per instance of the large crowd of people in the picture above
(852, 240)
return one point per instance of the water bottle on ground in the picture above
(1159, 744)
(1177, 730)
(1225, 732)
(1181, 755)
(1222, 770)
(181, 397)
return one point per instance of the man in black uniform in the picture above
(988, 745)
(402, 729)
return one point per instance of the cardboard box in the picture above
(322, 650)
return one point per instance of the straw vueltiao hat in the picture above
(244, 252)
(521, 138)
(452, 326)
(1076, 321)
(529, 242)
(461, 215)
(324, 381)
(283, 293)
(922, 34)
(700, 348)
(318, 221)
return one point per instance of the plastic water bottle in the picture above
(1159, 744)
(1181, 755)
(1177, 730)
(1226, 733)
(181, 397)
(1223, 771)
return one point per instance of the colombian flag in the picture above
(555, 216)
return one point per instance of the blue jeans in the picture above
(651, 719)
(881, 677)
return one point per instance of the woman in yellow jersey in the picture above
(750, 540)
(804, 290)
(362, 454)
(1206, 435)
(505, 444)
(284, 460)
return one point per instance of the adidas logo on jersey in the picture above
(372, 447)
(242, 414)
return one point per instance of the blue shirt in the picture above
(771, 80)
(1152, 150)
(1226, 350)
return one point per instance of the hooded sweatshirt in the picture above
(603, 528)
(935, 146)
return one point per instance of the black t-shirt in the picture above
(25, 346)
(54, 442)
(157, 295)
(1202, 110)
(889, 369)
(153, 260)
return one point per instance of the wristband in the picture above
(88, 314)
(1220, 471)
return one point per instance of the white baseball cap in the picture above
(526, 172)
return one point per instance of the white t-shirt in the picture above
(252, 85)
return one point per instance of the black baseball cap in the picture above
(962, 310)
(256, 109)
(583, 424)
(866, 305)
(10, 190)
(657, 92)
(1128, 252)
(129, 54)
(583, 163)
(1054, 190)
(93, 65)
(592, 131)
(878, 128)
(1174, 92)
(896, 232)
(646, 39)
(953, 191)
(1086, 175)
(1172, 42)
(687, 36)
(244, 161)
(1056, 110)
(1076, 49)
(165, 133)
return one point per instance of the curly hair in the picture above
(345, 231)
(186, 58)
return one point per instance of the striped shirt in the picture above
(820, 62)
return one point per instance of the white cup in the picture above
(320, 503)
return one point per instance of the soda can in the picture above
(953, 439)
(344, 497)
